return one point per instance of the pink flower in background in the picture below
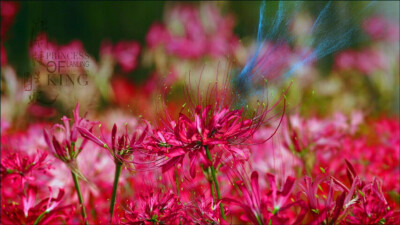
(380, 28)
(58, 58)
(191, 33)
(157, 35)
(3, 55)
(274, 59)
(365, 61)
(126, 53)
(8, 11)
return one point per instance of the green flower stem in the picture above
(118, 168)
(39, 218)
(177, 182)
(212, 189)
(78, 190)
(213, 173)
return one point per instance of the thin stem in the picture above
(212, 189)
(78, 190)
(39, 218)
(118, 168)
(177, 182)
(213, 173)
(211, 185)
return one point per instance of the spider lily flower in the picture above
(66, 149)
(362, 203)
(204, 211)
(372, 207)
(323, 208)
(121, 147)
(154, 208)
(210, 123)
(267, 209)
(47, 211)
(19, 165)
(163, 143)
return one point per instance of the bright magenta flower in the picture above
(121, 147)
(210, 123)
(154, 209)
(66, 149)
(362, 203)
(204, 212)
(47, 211)
(20, 166)
(265, 209)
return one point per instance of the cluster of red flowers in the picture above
(222, 144)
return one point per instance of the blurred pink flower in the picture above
(8, 11)
(58, 58)
(157, 35)
(126, 53)
(3, 55)
(365, 61)
(380, 28)
(191, 32)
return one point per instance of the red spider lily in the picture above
(162, 142)
(154, 208)
(19, 165)
(372, 207)
(47, 211)
(121, 147)
(362, 203)
(66, 150)
(204, 212)
(211, 124)
(271, 208)
(320, 207)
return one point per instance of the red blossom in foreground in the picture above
(362, 203)
(260, 209)
(210, 123)
(204, 212)
(154, 209)
(20, 166)
(121, 147)
(46, 211)
(66, 149)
